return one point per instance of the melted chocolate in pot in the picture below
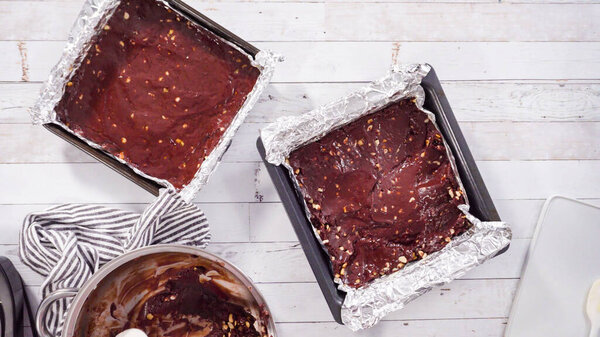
(192, 306)
(381, 192)
(175, 295)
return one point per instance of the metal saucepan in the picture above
(116, 281)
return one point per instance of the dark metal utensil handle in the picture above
(40, 316)
(1, 320)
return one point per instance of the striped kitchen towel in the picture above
(68, 243)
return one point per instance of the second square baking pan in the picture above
(481, 203)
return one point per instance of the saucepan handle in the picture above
(40, 316)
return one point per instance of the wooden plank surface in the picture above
(522, 76)
(546, 141)
(249, 182)
(341, 21)
(331, 62)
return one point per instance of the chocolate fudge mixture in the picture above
(191, 305)
(174, 295)
(381, 192)
(156, 90)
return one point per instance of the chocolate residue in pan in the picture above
(174, 295)
(381, 192)
(191, 305)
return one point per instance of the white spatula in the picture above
(132, 333)
(593, 308)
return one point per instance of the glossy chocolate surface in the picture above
(157, 90)
(381, 192)
(187, 306)
(174, 295)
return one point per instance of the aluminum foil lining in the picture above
(93, 16)
(288, 133)
(365, 306)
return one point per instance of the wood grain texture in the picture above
(233, 228)
(277, 262)
(367, 61)
(546, 141)
(420, 328)
(249, 182)
(566, 100)
(341, 21)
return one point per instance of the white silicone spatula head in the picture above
(132, 333)
(593, 308)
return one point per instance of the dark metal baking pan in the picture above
(479, 198)
(103, 157)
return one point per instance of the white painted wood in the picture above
(367, 61)
(470, 100)
(270, 262)
(540, 179)
(29, 61)
(380, 21)
(232, 228)
(459, 299)
(249, 182)
(549, 1)
(524, 101)
(96, 183)
(421, 328)
(262, 262)
(269, 222)
(15, 101)
(546, 141)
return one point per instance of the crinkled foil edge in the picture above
(290, 132)
(93, 15)
(365, 306)
(265, 61)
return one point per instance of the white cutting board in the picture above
(562, 263)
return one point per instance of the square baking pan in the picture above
(481, 204)
(103, 157)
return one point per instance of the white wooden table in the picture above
(523, 79)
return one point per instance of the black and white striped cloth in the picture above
(68, 243)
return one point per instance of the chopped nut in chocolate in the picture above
(191, 305)
(174, 295)
(156, 90)
(381, 192)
